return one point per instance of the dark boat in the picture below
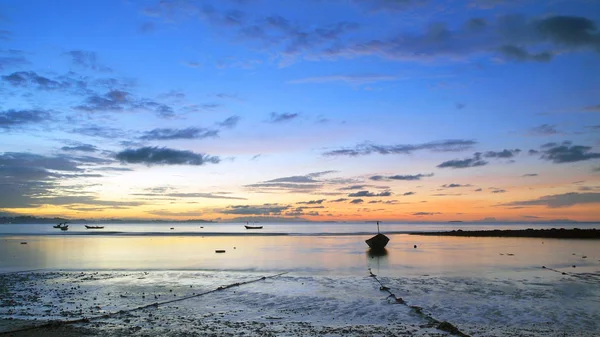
(64, 228)
(61, 225)
(379, 241)
(94, 227)
(253, 227)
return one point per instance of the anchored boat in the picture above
(94, 227)
(379, 241)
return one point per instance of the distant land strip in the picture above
(561, 233)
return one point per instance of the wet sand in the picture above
(561, 233)
(183, 303)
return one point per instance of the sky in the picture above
(321, 110)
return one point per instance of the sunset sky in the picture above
(324, 110)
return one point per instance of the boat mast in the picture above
(378, 227)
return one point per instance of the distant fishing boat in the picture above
(379, 241)
(94, 227)
(61, 225)
(247, 225)
(64, 228)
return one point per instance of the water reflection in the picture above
(377, 252)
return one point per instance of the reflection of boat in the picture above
(379, 241)
(61, 225)
(93, 227)
(253, 227)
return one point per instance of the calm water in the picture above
(312, 248)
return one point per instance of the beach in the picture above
(297, 285)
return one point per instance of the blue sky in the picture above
(415, 110)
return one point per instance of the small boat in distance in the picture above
(247, 225)
(61, 225)
(64, 228)
(379, 241)
(94, 227)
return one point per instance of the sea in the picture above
(486, 286)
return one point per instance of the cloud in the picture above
(402, 177)
(353, 187)
(311, 202)
(409, 193)
(339, 200)
(357, 201)
(530, 175)
(453, 145)
(567, 153)
(13, 118)
(99, 131)
(512, 37)
(559, 200)
(28, 179)
(81, 147)
(499, 190)
(544, 130)
(283, 117)
(115, 100)
(32, 79)
(425, 213)
(164, 156)
(464, 163)
(370, 194)
(456, 185)
(86, 59)
(230, 122)
(350, 79)
(502, 154)
(188, 133)
(202, 195)
(515, 53)
(120, 100)
(11, 58)
(593, 108)
(300, 184)
(266, 209)
(164, 212)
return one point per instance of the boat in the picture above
(94, 227)
(64, 228)
(220, 251)
(379, 241)
(247, 225)
(61, 225)
(253, 227)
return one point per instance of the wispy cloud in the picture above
(14, 118)
(559, 200)
(188, 133)
(407, 177)
(282, 117)
(452, 145)
(464, 163)
(370, 194)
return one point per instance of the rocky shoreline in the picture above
(560, 233)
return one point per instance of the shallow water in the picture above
(313, 254)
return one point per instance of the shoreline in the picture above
(552, 233)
